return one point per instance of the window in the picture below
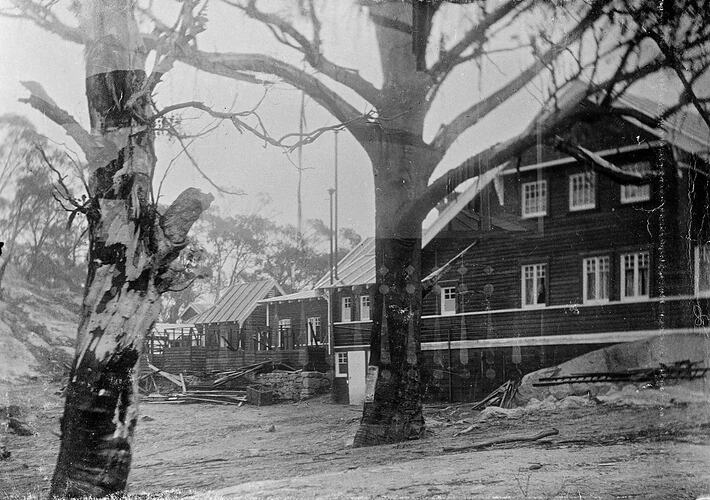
(702, 270)
(635, 275)
(533, 285)
(347, 310)
(582, 191)
(596, 280)
(341, 364)
(364, 308)
(535, 199)
(284, 332)
(632, 193)
(448, 300)
(314, 334)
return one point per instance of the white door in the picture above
(357, 368)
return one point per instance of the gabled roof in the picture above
(238, 302)
(356, 268)
(684, 129)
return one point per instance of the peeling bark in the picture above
(131, 251)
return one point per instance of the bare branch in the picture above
(303, 138)
(447, 134)
(598, 163)
(231, 64)
(475, 36)
(312, 50)
(40, 100)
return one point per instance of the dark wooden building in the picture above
(547, 258)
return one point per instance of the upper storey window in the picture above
(631, 193)
(635, 275)
(582, 191)
(535, 199)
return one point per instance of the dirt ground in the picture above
(301, 450)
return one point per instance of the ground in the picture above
(657, 447)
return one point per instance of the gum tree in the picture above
(608, 43)
(132, 249)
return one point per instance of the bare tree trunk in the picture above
(131, 249)
(395, 413)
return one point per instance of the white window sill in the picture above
(596, 302)
(582, 208)
(528, 307)
(533, 216)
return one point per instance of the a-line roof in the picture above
(356, 268)
(238, 302)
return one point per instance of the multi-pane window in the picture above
(702, 270)
(596, 279)
(534, 199)
(341, 364)
(364, 307)
(283, 333)
(314, 333)
(346, 313)
(635, 275)
(582, 191)
(635, 193)
(448, 300)
(533, 285)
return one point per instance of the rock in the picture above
(4, 453)
(272, 428)
(20, 428)
(146, 418)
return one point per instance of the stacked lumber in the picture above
(502, 396)
(265, 366)
(210, 397)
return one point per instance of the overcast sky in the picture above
(241, 162)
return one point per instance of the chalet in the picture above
(550, 257)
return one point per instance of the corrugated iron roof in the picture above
(238, 302)
(302, 295)
(356, 268)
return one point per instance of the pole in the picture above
(331, 191)
(335, 209)
(301, 123)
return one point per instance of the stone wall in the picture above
(295, 385)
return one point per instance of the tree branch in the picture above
(447, 134)
(39, 99)
(476, 35)
(311, 50)
(230, 64)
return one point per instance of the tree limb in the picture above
(311, 50)
(230, 64)
(40, 100)
(447, 134)
(476, 35)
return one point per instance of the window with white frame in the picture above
(631, 193)
(534, 293)
(448, 300)
(534, 199)
(341, 364)
(582, 191)
(364, 308)
(314, 332)
(702, 270)
(283, 333)
(346, 312)
(596, 280)
(635, 275)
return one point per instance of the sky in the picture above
(241, 162)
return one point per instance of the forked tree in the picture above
(608, 44)
(132, 250)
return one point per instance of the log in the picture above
(505, 439)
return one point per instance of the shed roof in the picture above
(238, 302)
